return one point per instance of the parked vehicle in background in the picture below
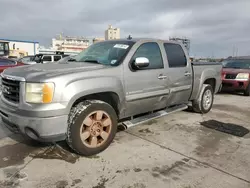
(82, 98)
(45, 58)
(8, 63)
(15, 58)
(26, 59)
(4, 49)
(236, 75)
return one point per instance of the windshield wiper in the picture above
(91, 61)
(72, 59)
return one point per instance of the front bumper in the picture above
(234, 85)
(45, 129)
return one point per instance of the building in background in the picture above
(50, 50)
(20, 48)
(70, 44)
(112, 33)
(185, 41)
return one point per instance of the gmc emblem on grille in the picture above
(6, 90)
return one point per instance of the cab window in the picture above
(175, 54)
(152, 52)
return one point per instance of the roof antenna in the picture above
(129, 37)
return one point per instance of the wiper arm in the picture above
(72, 59)
(91, 61)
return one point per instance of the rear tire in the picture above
(247, 92)
(92, 126)
(205, 101)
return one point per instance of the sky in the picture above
(216, 28)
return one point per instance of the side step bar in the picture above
(142, 119)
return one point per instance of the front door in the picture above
(147, 88)
(179, 74)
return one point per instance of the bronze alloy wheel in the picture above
(92, 125)
(95, 129)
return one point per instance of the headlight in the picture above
(242, 76)
(39, 92)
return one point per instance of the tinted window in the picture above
(46, 58)
(6, 62)
(151, 51)
(56, 58)
(176, 55)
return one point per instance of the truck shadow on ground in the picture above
(16, 154)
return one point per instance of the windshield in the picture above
(106, 53)
(26, 59)
(237, 64)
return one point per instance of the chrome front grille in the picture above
(10, 89)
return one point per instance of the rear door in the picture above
(179, 74)
(147, 88)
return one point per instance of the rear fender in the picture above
(198, 83)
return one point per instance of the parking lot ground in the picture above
(173, 151)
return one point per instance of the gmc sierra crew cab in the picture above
(82, 99)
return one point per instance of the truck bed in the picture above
(203, 71)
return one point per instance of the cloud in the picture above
(214, 27)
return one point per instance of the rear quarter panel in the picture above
(202, 72)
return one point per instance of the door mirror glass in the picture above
(141, 62)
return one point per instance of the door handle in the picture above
(187, 74)
(161, 77)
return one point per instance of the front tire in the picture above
(205, 101)
(92, 126)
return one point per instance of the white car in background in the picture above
(45, 58)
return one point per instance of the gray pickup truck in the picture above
(82, 99)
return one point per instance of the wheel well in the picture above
(212, 82)
(108, 97)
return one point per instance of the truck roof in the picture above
(144, 39)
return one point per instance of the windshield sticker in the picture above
(122, 46)
(113, 62)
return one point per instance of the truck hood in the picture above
(48, 70)
(235, 71)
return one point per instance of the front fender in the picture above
(81, 88)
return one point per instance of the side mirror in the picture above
(141, 62)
